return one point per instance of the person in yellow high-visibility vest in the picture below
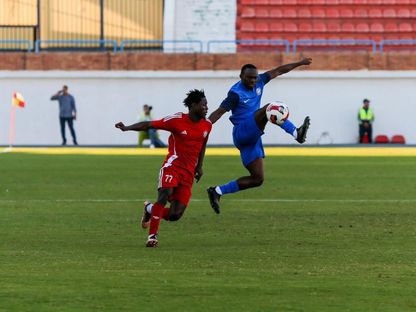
(366, 118)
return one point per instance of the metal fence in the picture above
(55, 24)
(198, 46)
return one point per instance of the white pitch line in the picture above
(270, 200)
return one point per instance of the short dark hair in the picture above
(366, 101)
(193, 96)
(148, 107)
(247, 66)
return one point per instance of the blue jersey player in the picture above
(249, 120)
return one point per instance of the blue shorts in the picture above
(247, 138)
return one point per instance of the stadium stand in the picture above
(328, 19)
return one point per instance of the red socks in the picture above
(158, 212)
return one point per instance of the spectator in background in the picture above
(151, 134)
(366, 118)
(67, 112)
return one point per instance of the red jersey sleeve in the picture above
(168, 123)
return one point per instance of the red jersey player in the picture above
(189, 135)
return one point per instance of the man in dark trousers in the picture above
(366, 118)
(67, 112)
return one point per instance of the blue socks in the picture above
(230, 187)
(288, 126)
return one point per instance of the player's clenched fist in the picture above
(306, 61)
(121, 126)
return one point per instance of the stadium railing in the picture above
(396, 43)
(76, 44)
(247, 42)
(195, 46)
(168, 46)
(334, 42)
(17, 45)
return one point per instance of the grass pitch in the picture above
(321, 234)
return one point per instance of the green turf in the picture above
(294, 255)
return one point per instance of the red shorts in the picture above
(180, 180)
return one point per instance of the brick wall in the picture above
(182, 62)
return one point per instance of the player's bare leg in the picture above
(176, 210)
(261, 118)
(256, 177)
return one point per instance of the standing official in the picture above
(67, 112)
(366, 118)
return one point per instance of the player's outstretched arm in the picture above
(215, 115)
(283, 69)
(140, 126)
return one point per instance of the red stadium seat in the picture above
(374, 1)
(348, 27)
(398, 139)
(377, 27)
(332, 13)
(290, 2)
(305, 27)
(248, 2)
(413, 13)
(262, 13)
(334, 27)
(346, 1)
(276, 2)
(261, 2)
(319, 27)
(375, 13)
(360, 1)
(405, 27)
(390, 27)
(248, 12)
(365, 138)
(304, 13)
(276, 13)
(346, 13)
(289, 13)
(262, 27)
(403, 13)
(381, 139)
(247, 26)
(390, 13)
(332, 2)
(362, 13)
(276, 27)
(318, 13)
(362, 27)
(290, 27)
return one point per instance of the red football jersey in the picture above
(186, 139)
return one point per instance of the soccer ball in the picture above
(277, 112)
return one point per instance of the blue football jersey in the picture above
(243, 102)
